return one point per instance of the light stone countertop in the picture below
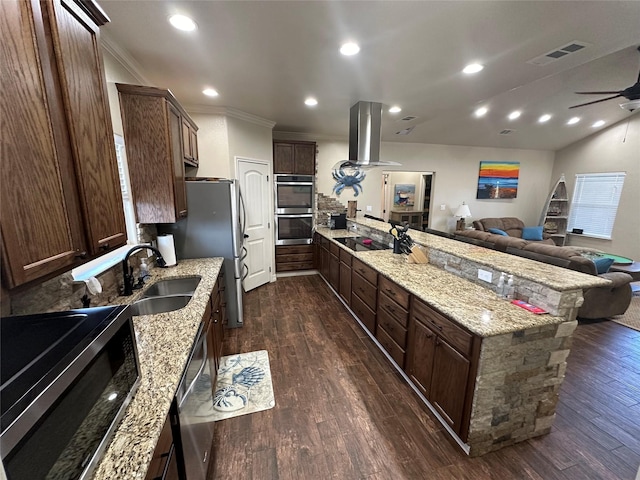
(476, 308)
(164, 342)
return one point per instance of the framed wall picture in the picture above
(498, 180)
(404, 195)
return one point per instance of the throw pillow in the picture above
(532, 233)
(602, 264)
(497, 231)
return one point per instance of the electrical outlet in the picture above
(369, 208)
(443, 207)
(484, 275)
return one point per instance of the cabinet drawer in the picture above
(459, 338)
(294, 249)
(294, 257)
(292, 266)
(392, 328)
(394, 291)
(364, 313)
(364, 290)
(390, 346)
(365, 271)
(334, 249)
(393, 309)
(345, 257)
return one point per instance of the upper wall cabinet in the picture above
(156, 141)
(294, 157)
(61, 200)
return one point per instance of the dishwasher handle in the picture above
(181, 397)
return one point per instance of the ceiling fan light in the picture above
(472, 68)
(481, 112)
(573, 120)
(544, 118)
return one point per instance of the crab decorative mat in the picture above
(243, 385)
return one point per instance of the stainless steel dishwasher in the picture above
(194, 407)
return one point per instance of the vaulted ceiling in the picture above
(265, 57)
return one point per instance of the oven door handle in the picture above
(296, 184)
(294, 215)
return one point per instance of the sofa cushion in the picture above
(511, 225)
(532, 233)
(497, 231)
(602, 264)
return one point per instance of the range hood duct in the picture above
(365, 120)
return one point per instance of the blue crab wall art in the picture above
(345, 180)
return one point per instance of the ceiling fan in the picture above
(632, 93)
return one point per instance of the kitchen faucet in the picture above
(127, 270)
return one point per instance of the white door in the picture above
(256, 192)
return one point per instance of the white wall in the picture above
(455, 179)
(116, 73)
(615, 149)
(249, 140)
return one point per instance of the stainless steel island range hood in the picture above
(365, 121)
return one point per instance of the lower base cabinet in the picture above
(294, 257)
(164, 465)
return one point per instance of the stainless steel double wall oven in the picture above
(294, 209)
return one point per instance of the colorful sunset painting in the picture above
(498, 180)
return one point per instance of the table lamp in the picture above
(462, 212)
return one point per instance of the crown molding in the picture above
(125, 59)
(312, 137)
(230, 112)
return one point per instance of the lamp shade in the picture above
(463, 211)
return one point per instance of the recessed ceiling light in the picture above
(481, 112)
(597, 124)
(472, 68)
(311, 102)
(514, 115)
(573, 121)
(544, 118)
(349, 48)
(210, 92)
(395, 109)
(182, 22)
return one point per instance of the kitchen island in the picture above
(515, 360)
(164, 342)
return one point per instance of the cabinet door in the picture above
(186, 141)
(41, 222)
(283, 158)
(193, 142)
(345, 282)
(420, 356)
(305, 158)
(334, 272)
(449, 382)
(179, 187)
(79, 61)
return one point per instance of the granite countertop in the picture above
(164, 342)
(476, 308)
(557, 278)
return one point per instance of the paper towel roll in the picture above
(167, 249)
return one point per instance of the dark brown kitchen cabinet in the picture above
(189, 142)
(294, 157)
(345, 276)
(441, 362)
(163, 465)
(334, 266)
(61, 203)
(364, 292)
(213, 320)
(294, 257)
(393, 318)
(152, 120)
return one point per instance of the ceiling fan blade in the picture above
(599, 93)
(596, 101)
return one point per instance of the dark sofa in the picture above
(511, 225)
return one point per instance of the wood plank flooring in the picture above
(343, 412)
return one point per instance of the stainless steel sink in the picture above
(173, 286)
(153, 305)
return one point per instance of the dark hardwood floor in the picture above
(342, 411)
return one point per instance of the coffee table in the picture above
(633, 269)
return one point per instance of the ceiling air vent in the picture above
(408, 118)
(558, 53)
(406, 131)
(507, 131)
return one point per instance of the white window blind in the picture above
(125, 186)
(595, 203)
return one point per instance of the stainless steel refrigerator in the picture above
(214, 227)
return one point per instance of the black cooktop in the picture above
(358, 244)
(35, 347)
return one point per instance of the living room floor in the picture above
(342, 411)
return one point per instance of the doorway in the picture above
(406, 197)
(253, 176)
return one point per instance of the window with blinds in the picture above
(595, 203)
(125, 187)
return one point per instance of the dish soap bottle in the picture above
(144, 276)
(500, 287)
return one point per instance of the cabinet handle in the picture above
(183, 213)
(82, 255)
(390, 293)
(439, 327)
(104, 246)
(438, 341)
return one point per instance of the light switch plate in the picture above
(484, 275)
(443, 207)
(369, 208)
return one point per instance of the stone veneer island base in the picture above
(522, 359)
